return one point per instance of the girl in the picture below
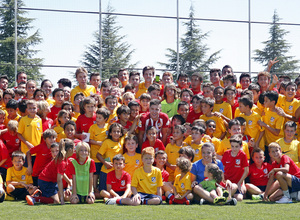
(30, 88)
(70, 130)
(82, 169)
(52, 175)
(170, 103)
(62, 117)
(88, 115)
(47, 86)
(39, 95)
(43, 110)
(77, 99)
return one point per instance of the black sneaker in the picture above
(225, 193)
(231, 202)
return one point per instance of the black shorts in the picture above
(19, 193)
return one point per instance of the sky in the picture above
(67, 35)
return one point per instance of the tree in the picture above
(26, 60)
(116, 53)
(278, 47)
(193, 56)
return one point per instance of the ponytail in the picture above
(64, 145)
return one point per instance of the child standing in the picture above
(43, 110)
(152, 140)
(87, 117)
(62, 117)
(82, 169)
(58, 95)
(221, 106)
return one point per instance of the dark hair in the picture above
(246, 101)
(216, 172)
(233, 122)
(110, 97)
(188, 151)
(261, 98)
(61, 113)
(290, 124)
(272, 96)
(12, 104)
(40, 90)
(49, 133)
(22, 105)
(153, 86)
(44, 81)
(219, 87)
(241, 120)
(256, 150)
(183, 75)
(123, 109)
(9, 92)
(215, 70)
(104, 112)
(78, 94)
(151, 128)
(129, 87)
(57, 90)
(132, 137)
(188, 91)
(161, 152)
(237, 138)
(181, 128)
(229, 78)
(198, 128)
(198, 75)
(179, 118)
(94, 74)
(148, 68)
(66, 103)
(244, 75)
(133, 103)
(208, 101)
(4, 77)
(84, 102)
(229, 88)
(254, 87)
(184, 103)
(65, 82)
(70, 122)
(134, 73)
(113, 77)
(198, 97)
(226, 66)
(154, 102)
(111, 127)
(105, 84)
(119, 157)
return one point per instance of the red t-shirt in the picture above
(192, 116)
(4, 155)
(234, 166)
(158, 145)
(165, 175)
(12, 142)
(259, 177)
(127, 126)
(195, 93)
(84, 123)
(49, 174)
(71, 167)
(294, 169)
(233, 107)
(118, 185)
(43, 157)
(46, 123)
(54, 112)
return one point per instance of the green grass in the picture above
(246, 210)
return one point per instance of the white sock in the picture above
(286, 193)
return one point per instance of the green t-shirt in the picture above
(170, 108)
(208, 185)
(82, 177)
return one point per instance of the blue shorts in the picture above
(102, 181)
(82, 199)
(48, 188)
(238, 192)
(146, 197)
(19, 193)
(262, 188)
(98, 168)
(295, 184)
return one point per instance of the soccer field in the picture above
(244, 210)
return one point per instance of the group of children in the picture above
(149, 142)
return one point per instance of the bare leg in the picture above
(203, 193)
(252, 189)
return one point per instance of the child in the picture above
(286, 172)
(207, 106)
(111, 103)
(87, 117)
(81, 77)
(170, 104)
(186, 95)
(154, 91)
(182, 184)
(19, 183)
(30, 88)
(161, 158)
(123, 113)
(43, 155)
(105, 89)
(47, 86)
(197, 135)
(114, 81)
(39, 95)
(77, 99)
(58, 95)
(230, 95)
(95, 81)
(176, 120)
(118, 182)
(210, 130)
(43, 110)
(134, 79)
(127, 97)
(214, 176)
(30, 128)
(132, 159)
(215, 77)
(145, 101)
(183, 109)
(196, 112)
(152, 140)
(68, 106)
(196, 81)
(19, 94)
(148, 74)
(52, 176)
(12, 110)
(183, 81)
(10, 138)
(70, 131)
(134, 110)
(22, 105)
(97, 136)
(123, 76)
(82, 169)
(172, 150)
(236, 165)
(228, 80)
(8, 94)
(116, 91)
(258, 174)
(62, 117)
(147, 181)
(245, 80)
(221, 106)
(208, 90)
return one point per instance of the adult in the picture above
(47, 86)
(21, 77)
(148, 74)
(123, 76)
(63, 82)
(3, 82)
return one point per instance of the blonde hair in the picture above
(274, 145)
(148, 150)
(12, 125)
(64, 145)
(42, 106)
(264, 73)
(80, 70)
(82, 144)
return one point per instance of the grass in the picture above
(247, 209)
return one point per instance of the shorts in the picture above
(3, 172)
(48, 188)
(35, 180)
(82, 199)
(295, 184)
(120, 193)
(146, 197)
(262, 188)
(98, 168)
(102, 181)
(2, 198)
(19, 193)
(238, 192)
(32, 161)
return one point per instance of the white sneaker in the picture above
(298, 196)
(294, 195)
(284, 199)
(112, 201)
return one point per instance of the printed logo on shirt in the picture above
(23, 177)
(106, 132)
(197, 151)
(249, 122)
(272, 119)
(182, 186)
(84, 125)
(153, 179)
(123, 183)
(290, 107)
(265, 171)
(137, 161)
(238, 161)
(17, 141)
(38, 124)
(221, 110)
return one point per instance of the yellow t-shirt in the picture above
(290, 149)
(254, 109)
(252, 128)
(51, 102)
(274, 121)
(172, 152)
(142, 89)
(18, 176)
(224, 108)
(17, 118)
(132, 163)
(86, 92)
(31, 129)
(60, 133)
(147, 182)
(109, 149)
(97, 134)
(183, 185)
(113, 117)
(198, 152)
(220, 127)
(76, 114)
(225, 145)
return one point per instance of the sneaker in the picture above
(187, 202)
(294, 195)
(220, 200)
(112, 201)
(225, 193)
(36, 193)
(231, 202)
(257, 197)
(202, 201)
(30, 200)
(284, 199)
(298, 196)
(105, 199)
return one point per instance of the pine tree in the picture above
(193, 56)
(278, 47)
(26, 60)
(116, 53)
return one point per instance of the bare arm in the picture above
(60, 188)
(28, 144)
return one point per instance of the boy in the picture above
(228, 80)
(197, 135)
(183, 81)
(183, 109)
(230, 95)
(111, 103)
(196, 112)
(77, 99)
(215, 77)
(234, 127)
(134, 79)
(127, 97)
(152, 140)
(134, 110)
(154, 118)
(105, 89)
(132, 159)
(221, 106)
(12, 110)
(236, 166)
(154, 91)
(123, 76)
(30, 128)
(147, 181)
(196, 81)
(148, 74)
(81, 75)
(145, 101)
(10, 138)
(43, 155)
(58, 96)
(286, 172)
(117, 183)
(208, 90)
(263, 80)
(114, 81)
(95, 81)
(123, 113)
(161, 158)
(207, 105)
(245, 80)
(19, 184)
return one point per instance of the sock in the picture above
(119, 201)
(180, 201)
(45, 200)
(171, 196)
(286, 193)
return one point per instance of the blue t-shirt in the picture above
(198, 169)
